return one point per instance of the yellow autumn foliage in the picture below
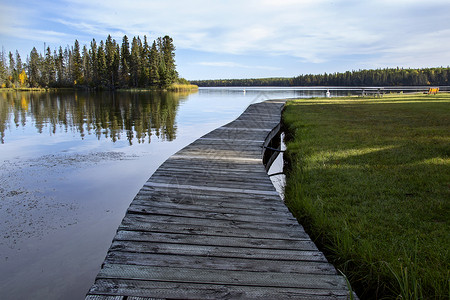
(22, 78)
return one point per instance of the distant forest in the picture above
(378, 77)
(105, 65)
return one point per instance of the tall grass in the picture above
(369, 179)
(179, 87)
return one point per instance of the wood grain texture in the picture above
(209, 224)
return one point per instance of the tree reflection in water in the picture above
(111, 115)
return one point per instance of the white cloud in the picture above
(230, 64)
(312, 31)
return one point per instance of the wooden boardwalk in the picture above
(209, 224)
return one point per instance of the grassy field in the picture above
(369, 178)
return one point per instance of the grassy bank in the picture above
(27, 89)
(177, 87)
(370, 180)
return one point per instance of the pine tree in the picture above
(19, 64)
(59, 64)
(33, 68)
(86, 63)
(125, 62)
(3, 72)
(77, 74)
(135, 61)
(102, 66)
(168, 53)
(12, 69)
(154, 65)
(48, 69)
(111, 61)
(145, 64)
(93, 53)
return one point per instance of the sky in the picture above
(218, 39)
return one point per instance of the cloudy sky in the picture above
(246, 38)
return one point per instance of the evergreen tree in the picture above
(102, 67)
(3, 72)
(19, 64)
(168, 53)
(111, 61)
(33, 68)
(125, 58)
(59, 64)
(93, 53)
(68, 67)
(12, 69)
(154, 65)
(145, 65)
(77, 74)
(135, 61)
(86, 65)
(48, 69)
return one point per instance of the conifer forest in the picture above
(105, 64)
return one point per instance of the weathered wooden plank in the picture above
(103, 297)
(214, 174)
(191, 239)
(212, 195)
(212, 207)
(235, 183)
(134, 219)
(220, 263)
(176, 290)
(244, 278)
(253, 190)
(130, 224)
(308, 254)
(243, 205)
(161, 211)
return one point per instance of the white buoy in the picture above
(328, 94)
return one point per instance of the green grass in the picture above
(369, 178)
(179, 87)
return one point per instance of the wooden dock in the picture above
(209, 224)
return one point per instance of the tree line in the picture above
(106, 64)
(378, 77)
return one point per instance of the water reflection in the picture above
(135, 115)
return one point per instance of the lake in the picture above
(72, 162)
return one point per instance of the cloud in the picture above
(229, 64)
(309, 31)
(313, 31)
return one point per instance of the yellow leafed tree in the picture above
(23, 78)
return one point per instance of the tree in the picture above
(19, 64)
(154, 65)
(12, 69)
(23, 78)
(59, 66)
(135, 61)
(48, 69)
(3, 70)
(93, 53)
(34, 68)
(77, 74)
(86, 65)
(168, 54)
(125, 57)
(102, 68)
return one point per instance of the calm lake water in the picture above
(71, 163)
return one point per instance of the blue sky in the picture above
(246, 39)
